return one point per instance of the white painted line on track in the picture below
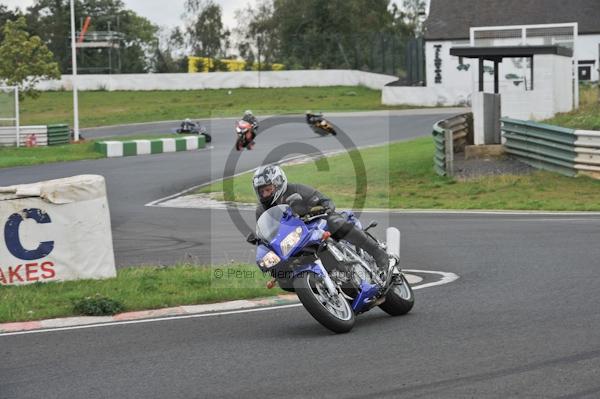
(446, 278)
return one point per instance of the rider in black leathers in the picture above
(251, 119)
(187, 125)
(271, 188)
(313, 119)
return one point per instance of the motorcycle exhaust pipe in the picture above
(392, 239)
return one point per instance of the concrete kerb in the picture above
(112, 149)
(284, 300)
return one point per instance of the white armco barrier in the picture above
(55, 230)
(220, 80)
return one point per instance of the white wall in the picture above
(586, 48)
(551, 91)
(425, 96)
(221, 80)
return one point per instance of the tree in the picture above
(167, 57)
(25, 59)
(6, 15)
(207, 36)
(369, 35)
(258, 34)
(50, 19)
(411, 13)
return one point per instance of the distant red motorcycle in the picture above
(245, 135)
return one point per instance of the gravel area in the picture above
(475, 168)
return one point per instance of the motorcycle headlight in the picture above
(238, 129)
(269, 260)
(292, 239)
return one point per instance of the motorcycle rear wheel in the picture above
(336, 314)
(400, 298)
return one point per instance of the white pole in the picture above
(576, 65)
(74, 76)
(17, 124)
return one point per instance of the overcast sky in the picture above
(161, 12)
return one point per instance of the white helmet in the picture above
(248, 113)
(266, 175)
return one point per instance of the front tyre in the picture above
(333, 313)
(400, 298)
(207, 137)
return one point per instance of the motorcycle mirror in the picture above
(371, 225)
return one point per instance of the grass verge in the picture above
(135, 289)
(101, 108)
(587, 117)
(11, 156)
(413, 184)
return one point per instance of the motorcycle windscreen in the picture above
(268, 224)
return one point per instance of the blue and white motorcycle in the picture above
(334, 280)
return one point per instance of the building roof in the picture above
(451, 19)
(499, 52)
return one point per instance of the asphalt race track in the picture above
(522, 321)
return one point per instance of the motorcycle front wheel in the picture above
(207, 137)
(239, 145)
(333, 313)
(400, 298)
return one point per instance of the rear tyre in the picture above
(400, 298)
(335, 313)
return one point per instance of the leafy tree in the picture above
(166, 57)
(25, 59)
(50, 19)
(258, 34)
(357, 34)
(206, 33)
(6, 15)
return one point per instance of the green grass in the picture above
(11, 156)
(413, 184)
(587, 117)
(101, 108)
(136, 289)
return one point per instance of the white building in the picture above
(449, 25)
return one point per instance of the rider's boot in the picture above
(360, 239)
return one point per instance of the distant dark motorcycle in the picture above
(245, 135)
(188, 127)
(320, 125)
